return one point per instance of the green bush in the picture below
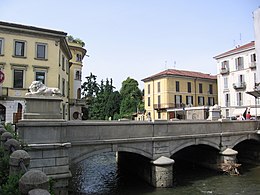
(4, 166)
(11, 187)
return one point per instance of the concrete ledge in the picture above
(50, 146)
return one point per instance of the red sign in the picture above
(2, 77)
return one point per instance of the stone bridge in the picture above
(55, 144)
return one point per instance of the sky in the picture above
(140, 38)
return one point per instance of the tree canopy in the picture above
(104, 103)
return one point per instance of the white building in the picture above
(236, 76)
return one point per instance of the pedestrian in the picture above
(241, 117)
(248, 116)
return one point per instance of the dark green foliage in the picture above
(131, 98)
(51, 188)
(11, 187)
(4, 166)
(102, 101)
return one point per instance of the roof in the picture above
(21, 28)
(238, 49)
(175, 72)
(32, 29)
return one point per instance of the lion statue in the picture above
(38, 88)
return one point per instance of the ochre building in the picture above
(169, 93)
(29, 53)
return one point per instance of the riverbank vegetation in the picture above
(9, 184)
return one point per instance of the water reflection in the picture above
(100, 175)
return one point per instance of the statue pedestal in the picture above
(43, 107)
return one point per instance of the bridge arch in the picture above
(86, 154)
(196, 142)
(244, 138)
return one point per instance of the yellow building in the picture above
(30, 53)
(75, 102)
(169, 93)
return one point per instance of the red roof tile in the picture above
(175, 72)
(238, 49)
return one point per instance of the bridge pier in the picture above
(158, 173)
(162, 172)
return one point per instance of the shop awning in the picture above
(255, 93)
(238, 111)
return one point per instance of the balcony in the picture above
(77, 102)
(4, 93)
(239, 86)
(224, 70)
(166, 106)
(252, 65)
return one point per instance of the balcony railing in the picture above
(3, 93)
(241, 85)
(77, 102)
(167, 106)
(252, 65)
(224, 70)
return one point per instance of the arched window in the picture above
(78, 93)
(78, 75)
(78, 57)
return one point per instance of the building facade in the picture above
(75, 78)
(30, 53)
(170, 93)
(236, 76)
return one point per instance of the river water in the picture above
(100, 175)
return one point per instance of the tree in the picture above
(131, 97)
(90, 89)
(102, 101)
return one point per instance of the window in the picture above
(19, 48)
(159, 115)
(177, 86)
(63, 62)
(159, 87)
(78, 57)
(189, 100)
(210, 89)
(1, 46)
(149, 89)
(189, 87)
(200, 88)
(239, 63)
(59, 81)
(253, 57)
(79, 93)
(78, 75)
(239, 99)
(40, 76)
(149, 101)
(210, 101)
(225, 65)
(63, 87)
(18, 78)
(200, 100)
(241, 79)
(227, 100)
(178, 101)
(41, 51)
(159, 100)
(225, 83)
